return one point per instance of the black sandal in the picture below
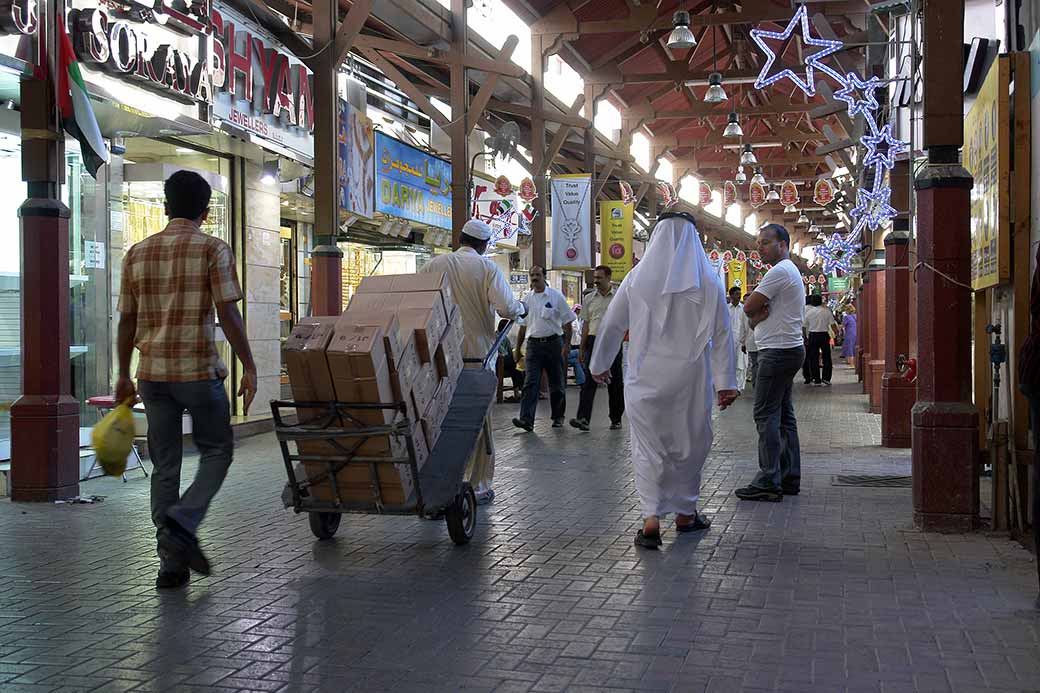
(699, 522)
(648, 541)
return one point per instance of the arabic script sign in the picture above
(412, 184)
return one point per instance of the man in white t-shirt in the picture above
(818, 323)
(775, 311)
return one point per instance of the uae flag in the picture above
(77, 115)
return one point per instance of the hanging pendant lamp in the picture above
(681, 36)
(748, 157)
(733, 128)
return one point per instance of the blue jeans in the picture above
(579, 371)
(779, 456)
(164, 404)
(543, 354)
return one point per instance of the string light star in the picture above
(873, 208)
(812, 62)
(865, 103)
(837, 252)
(882, 148)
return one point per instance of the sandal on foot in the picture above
(648, 541)
(699, 522)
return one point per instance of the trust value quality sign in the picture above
(412, 184)
(615, 223)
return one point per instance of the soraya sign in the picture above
(185, 48)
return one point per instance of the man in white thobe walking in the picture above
(738, 325)
(680, 356)
(478, 286)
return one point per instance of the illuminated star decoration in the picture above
(882, 147)
(837, 252)
(866, 103)
(812, 62)
(873, 208)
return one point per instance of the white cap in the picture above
(475, 228)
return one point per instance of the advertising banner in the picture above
(986, 155)
(412, 184)
(729, 194)
(615, 223)
(737, 276)
(756, 195)
(704, 194)
(788, 194)
(503, 208)
(823, 192)
(357, 162)
(571, 235)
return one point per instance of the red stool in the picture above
(105, 404)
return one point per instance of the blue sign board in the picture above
(412, 184)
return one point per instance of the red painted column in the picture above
(45, 419)
(868, 328)
(945, 421)
(897, 395)
(327, 280)
(876, 365)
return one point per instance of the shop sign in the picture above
(789, 194)
(756, 195)
(93, 255)
(357, 169)
(986, 155)
(615, 222)
(704, 196)
(729, 194)
(837, 285)
(823, 192)
(412, 184)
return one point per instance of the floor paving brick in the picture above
(831, 590)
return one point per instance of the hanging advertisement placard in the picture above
(715, 259)
(729, 194)
(627, 194)
(704, 196)
(668, 195)
(756, 195)
(737, 276)
(502, 208)
(986, 155)
(615, 223)
(571, 235)
(357, 162)
(837, 285)
(823, 192)
(412, 184)
(789, 194)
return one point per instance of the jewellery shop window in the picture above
(146, 166)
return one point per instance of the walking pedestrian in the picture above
(547, 329)
(775, 311)
(574, 355)
(737, 327)
(806, 371)
(819, 320)
(848, 336)
(751, 346)
(175, 285)
(680, 358)
(596, 303)
(481, 290)
(1029, 385)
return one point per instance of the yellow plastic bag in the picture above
(113, 438)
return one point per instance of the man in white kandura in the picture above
(481, 290)
(738, 325)
(680, 355)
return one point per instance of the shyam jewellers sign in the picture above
(192, 51)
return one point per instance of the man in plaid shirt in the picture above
(172, 282)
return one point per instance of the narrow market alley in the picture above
(830, 590)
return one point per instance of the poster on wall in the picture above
(571, 235)
(357, 163)
(615, 223)
(986, 156)
(412, 184)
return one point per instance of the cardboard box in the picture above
(454, 333)
(411, 283)
(426, 328)
(433, 418)
(392, 336)
(424, 387)
(309, 377)
(357, 350)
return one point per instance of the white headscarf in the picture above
(674, 270)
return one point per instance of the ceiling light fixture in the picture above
(802, 219)
(715, 93)
(269, 176)
(681, 36)
(733, 128)
(748, 156)
(773, 195)
(758, 177)
(741, 177)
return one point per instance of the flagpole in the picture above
(45, 418)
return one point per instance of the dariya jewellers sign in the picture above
(184, 47)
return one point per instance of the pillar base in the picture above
(45, 434)
(861, 372)
(945, 466)
(897, 400)
(875, 371)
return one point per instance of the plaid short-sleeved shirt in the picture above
(172, 281)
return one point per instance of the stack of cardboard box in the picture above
(399, 341)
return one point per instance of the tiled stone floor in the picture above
(831, 590)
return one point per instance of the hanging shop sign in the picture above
(357, 162)
(837, 285)
(668, 195)
(503, 208)
(571, 235)
(789, 194)
(412, 184)
(823, 192)
(704, 196)
(615, 223)
(627, 194)
(986, 156)
(729, 194)
(756, 195)
(736, 275)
